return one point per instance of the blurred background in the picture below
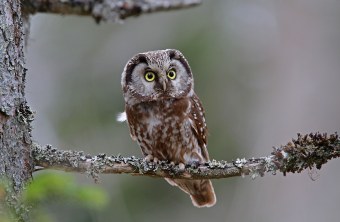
(264, 70)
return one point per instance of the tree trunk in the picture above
(15, 116)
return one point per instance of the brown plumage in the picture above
(166, 117)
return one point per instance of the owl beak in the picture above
(164, 85)
(163, 81)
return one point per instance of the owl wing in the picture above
(199, 125)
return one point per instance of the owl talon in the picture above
(181, 166)
(148, 158)
(155, 160)
(195, 164)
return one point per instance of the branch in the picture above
(107, 10)
(308, 151)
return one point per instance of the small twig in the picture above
(107, 10)
(308, 151)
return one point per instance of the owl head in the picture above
(157, 75)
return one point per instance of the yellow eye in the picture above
(171, 74)
(149, 76)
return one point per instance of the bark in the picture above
(15, 116)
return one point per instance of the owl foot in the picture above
(156, 160)
(181, 166)
(195, 164)
(150, 158)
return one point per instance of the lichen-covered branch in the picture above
(308, 151)
(107, 10)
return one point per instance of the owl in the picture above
(166, 117)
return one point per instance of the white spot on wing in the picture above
(121, 117)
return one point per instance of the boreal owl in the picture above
(166, 117)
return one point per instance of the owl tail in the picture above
(201, 191)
